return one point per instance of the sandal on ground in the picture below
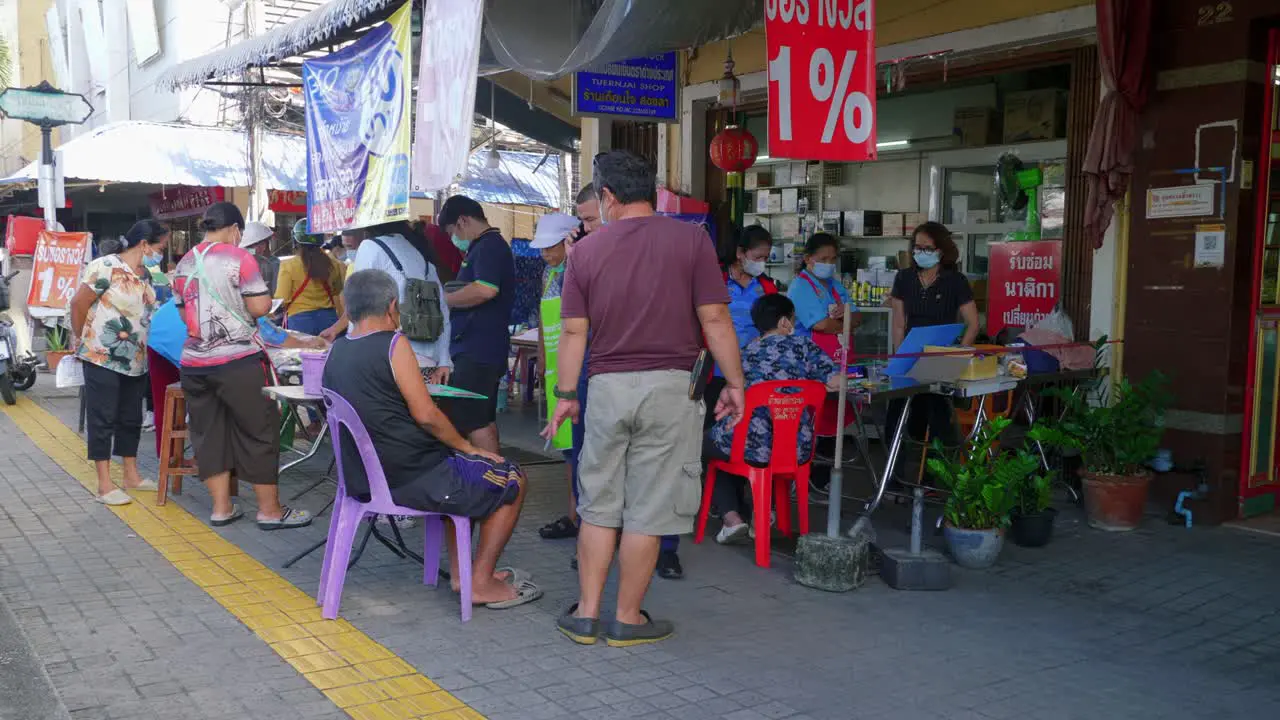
(514, 575)
(584, 631)
(559, 530)
(526, 592)
(115, 498)
(147, 485)
(289, 520)
(622, 634)
(236, 514)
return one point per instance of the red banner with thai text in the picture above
(822, 79)
(182, 201)
(289, 202)
(1024, 283)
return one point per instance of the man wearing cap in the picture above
(257, 240)
(480, 310)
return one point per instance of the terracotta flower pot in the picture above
(1115, 502)
(53, 357)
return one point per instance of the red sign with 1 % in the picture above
(822, 79)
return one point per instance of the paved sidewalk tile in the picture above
(1158, 623)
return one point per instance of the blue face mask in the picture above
(925, 259)
(152, 260)
(824, 271)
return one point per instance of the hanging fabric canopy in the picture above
(1124, 38)
(544, 40)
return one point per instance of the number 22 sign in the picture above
(822, 79)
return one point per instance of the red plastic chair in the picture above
(786, 410)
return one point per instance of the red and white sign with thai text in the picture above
(183, 201)
(289, 202)
(55, 271)
(822, 79)
(1024, 283)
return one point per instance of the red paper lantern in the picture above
(734, 149)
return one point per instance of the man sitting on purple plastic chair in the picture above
(428, 464)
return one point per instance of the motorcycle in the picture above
(17, 372)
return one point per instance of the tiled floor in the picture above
(1158, 623)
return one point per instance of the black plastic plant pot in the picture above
(1033, 530)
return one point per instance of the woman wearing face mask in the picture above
(933, 291)
(219, 290)
(110, 319)
(819, 297)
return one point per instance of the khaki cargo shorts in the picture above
(640, 466)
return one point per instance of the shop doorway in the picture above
(1260, 465)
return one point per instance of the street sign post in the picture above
(48, 107)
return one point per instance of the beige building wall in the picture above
(23, 26)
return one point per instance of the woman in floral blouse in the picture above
(110, 316)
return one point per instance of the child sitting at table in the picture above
(778, 354)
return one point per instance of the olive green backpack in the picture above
(421, 318)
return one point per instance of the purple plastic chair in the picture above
(348, 513)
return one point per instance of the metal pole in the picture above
(836, 488)
(46, 177)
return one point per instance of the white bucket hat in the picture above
(254, 233)
(552, 230)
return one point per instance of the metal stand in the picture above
(398, 547)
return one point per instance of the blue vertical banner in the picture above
(357, 112)
(643, 88)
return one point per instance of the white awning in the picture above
(171, 154)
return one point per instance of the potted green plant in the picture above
(982, 482)
(1116, 437)
(1031, 523)
(56, 346)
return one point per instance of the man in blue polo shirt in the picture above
(480, 306)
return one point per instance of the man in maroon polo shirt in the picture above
(649, 289)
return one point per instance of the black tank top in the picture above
(360, 371)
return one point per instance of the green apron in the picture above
(549, 313)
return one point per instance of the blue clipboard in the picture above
(915, 342)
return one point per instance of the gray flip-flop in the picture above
(515, 576)
(236, 514)
(526, 592)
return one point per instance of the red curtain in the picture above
(1124, 37)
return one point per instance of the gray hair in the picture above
(369, 293)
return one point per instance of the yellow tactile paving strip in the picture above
(360, 676)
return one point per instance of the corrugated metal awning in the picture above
(169, 154)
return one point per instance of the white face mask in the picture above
(754, 268)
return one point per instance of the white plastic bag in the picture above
(70, 373)
(1058, 322)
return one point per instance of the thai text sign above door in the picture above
(1024, 285)
(643, 88)
(822, 79)
(182, 201)
(358, 129)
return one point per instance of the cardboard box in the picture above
(781, 175)
(975, 126)
(911, 221)
(774, 202)
(800, 174)
(863, 223)
(892, 224)
(791, 200)
(757, 179)
(762, 201)
(1035, 115)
